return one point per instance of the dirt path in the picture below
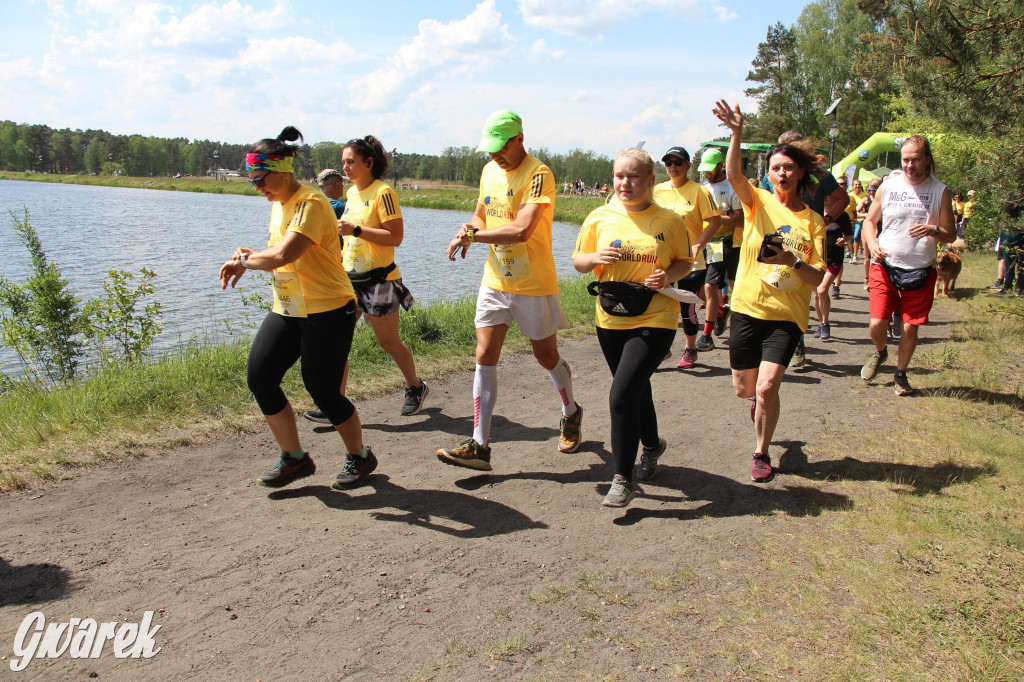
(431, 570)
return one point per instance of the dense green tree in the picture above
(779, 90)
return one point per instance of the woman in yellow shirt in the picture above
(781, 263)
(634, 247)
(313, 318)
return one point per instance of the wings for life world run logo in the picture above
(82, 638)
(496, 211)
(631, 254)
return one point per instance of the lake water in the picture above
(184, 237)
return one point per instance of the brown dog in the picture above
(947, 268)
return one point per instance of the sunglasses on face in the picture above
(260, 181)
(872, 191)
(673, 162)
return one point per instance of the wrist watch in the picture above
(471, 234)
(244, 260)
(798, 264)
(357, 230)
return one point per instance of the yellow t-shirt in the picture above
(851, 208)
(968, 207)
(650, 239)
(526, 268)
(372, 207)
(325, 286)
(958, 207)
(692, 201)
(775, 292)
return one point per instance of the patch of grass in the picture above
(456, 647)
(508, 648)
(185, 184)
(551, 594)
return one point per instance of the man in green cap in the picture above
(723, 257)
(513, 218)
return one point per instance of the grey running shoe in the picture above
(621, 492)
(871, 365)
(287, 470)
(571, 435)
(317, 416)
(835, 292)
(649, 461)
(705, 342)
(825, 331)
(414, 399)
(355, 471)
(799, 355)
(817, 332)
(720, 323)
(902, 385)
(469, 454)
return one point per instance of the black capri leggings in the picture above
(322, 341)
(632, 356)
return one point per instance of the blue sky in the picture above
(593, 74)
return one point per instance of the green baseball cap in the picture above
(710, 160)
(499, 128)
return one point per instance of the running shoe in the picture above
(835, 291)
(689, 358)
(998, 284)
(853, 261)
(817, 332)
(621, 492)
(317, 416)
(414, 399)
(902, 385)
(799, 355)
(570, 435)
(355, 471)
(287, 470)
(824, 331)
(723, 317)
(469, 454)
(761, 469)
(705, 342)
(649, 461)
(874, 361)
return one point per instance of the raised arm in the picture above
(732, 119)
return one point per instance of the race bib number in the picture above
(715, 252)
(510, 260)
(288, 299)
(357, 255)
(781, 277)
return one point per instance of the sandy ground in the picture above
(432, 571)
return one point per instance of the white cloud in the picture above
(458, 48)
(540, 50)
(724, 14)
(579, 95)
(591, 18)
(296, 51)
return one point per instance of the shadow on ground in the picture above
(33, 583)
(921, 480)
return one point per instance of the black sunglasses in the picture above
(871, 190)
(260, 181)
(674, 162)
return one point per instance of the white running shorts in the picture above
(538, 317)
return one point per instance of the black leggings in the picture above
(632, 356)
(322, 340)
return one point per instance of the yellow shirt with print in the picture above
(851, 207)
(968, 207)
(650, 239)
(776, 292)
(325, 286)
(693, 201)
(526, 268)
(371, 207)
(958, 208)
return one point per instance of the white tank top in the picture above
(903, 206)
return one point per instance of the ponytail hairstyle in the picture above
(370, 150)
(278, 146)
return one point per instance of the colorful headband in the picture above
(274, 163)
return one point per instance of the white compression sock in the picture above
(485, 394)
(561, 376)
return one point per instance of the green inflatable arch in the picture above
(879, 143)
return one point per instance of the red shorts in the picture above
(886, 299)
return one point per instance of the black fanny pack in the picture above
(908, 280)
(622, 299)
(371, 277)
